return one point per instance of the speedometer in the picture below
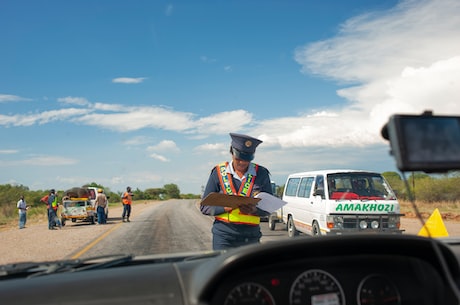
(376, 289)
(249, 293)
(316, 287)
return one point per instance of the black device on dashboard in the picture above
(424, 142)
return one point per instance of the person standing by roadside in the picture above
(52, 205)
(100, 204)
(22, 208)
(44, 199)
(127, 199)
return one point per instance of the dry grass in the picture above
(449, 210)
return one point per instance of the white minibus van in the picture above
(338, 202)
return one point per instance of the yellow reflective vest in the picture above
(226, 182)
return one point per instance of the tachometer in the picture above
(249, 293)
(316, 287)
(376, 289)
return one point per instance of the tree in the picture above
(396, 183)
(172, 190)
(153, 193)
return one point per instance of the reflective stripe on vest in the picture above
(54, 204)
(226, 182)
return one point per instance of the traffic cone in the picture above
(434, 226)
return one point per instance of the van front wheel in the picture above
(292, 232)
(315, 231)
(271, 222)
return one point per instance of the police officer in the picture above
(237, 227)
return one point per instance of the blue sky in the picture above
(145, 93)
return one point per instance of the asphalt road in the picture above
(172, 226)
(157, 227)
(167, 227)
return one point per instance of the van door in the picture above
(318, 206)
(302, 205)
(290, 192)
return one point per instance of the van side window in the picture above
(305, 187)
(291, 187)
(319, 186)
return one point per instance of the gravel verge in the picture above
(36, 243)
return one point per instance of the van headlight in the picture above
(393, 222)
(363, 224)
(335, 222)
(374, 224)
(338, 222)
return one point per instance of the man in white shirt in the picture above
(22, 208)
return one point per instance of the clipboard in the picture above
(224, 200)
(269, 202)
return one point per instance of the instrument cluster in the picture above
(333, 281)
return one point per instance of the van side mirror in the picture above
(319, 192)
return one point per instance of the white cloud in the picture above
(40, 161)
(109, 107)
(128, 80)
(214, 124)
(12, 98)
(165, 145)
(212, 147)
(81, 101)
(318, 129)
(135, 118)
(159, 157)
(138, 140)
(377, 45)
(405, 59)
(41, 118)
(124, 118)
(7, 151)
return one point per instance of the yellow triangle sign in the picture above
(434, 226)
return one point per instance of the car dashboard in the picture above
(329, 270)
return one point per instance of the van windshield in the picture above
(92, 194)
(348, 186)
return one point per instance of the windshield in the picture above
(359, 186)
(118, 118)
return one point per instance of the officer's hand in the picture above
(248, 208)
(228, 209)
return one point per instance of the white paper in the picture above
(268, 202)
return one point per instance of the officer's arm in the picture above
(265, 182)
(266, 186)
(213, 185)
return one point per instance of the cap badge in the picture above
(248, 143)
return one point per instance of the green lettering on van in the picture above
(348, 207)
(364, 207)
